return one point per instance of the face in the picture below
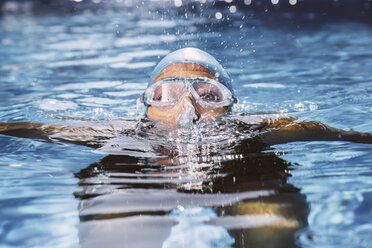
(187, 108)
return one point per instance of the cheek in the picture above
(155, 113)
(213, 112)
(165, 114)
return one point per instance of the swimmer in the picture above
(188, 86)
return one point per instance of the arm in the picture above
(28, 130)
(83, 135)
(289, 130)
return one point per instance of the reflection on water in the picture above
(191, 231)
(226, 191)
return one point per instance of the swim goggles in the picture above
(208, 93)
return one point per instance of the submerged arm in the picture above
(289, 130)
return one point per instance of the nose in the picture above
(187, 113)
(187, 100)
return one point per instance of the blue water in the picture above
(92, 65)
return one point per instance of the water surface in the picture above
(208, 189)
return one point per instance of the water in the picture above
(206, 187)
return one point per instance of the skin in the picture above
(171, 115)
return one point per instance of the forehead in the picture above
(184, 70)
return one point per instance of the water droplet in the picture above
(178, 3)
(232, 9)
(218, 15)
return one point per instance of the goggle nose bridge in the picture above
(188, 89)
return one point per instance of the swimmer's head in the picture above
(187, 85)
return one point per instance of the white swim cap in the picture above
(192, 55)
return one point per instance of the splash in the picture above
(193, 231)
(187, 116)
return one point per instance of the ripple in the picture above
(98, 101)
(133, 65)
(157, 23)
(265, 85)
(82, 44)
(145, 40)
(139, 86)
(152, 200)
(124, 93)
(69, 96)
(88, 85)
(56, 105)
(91, 61)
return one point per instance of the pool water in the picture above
(204, 187)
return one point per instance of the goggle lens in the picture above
(169, 92)
(208, 92)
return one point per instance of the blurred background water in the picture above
(90, 60)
